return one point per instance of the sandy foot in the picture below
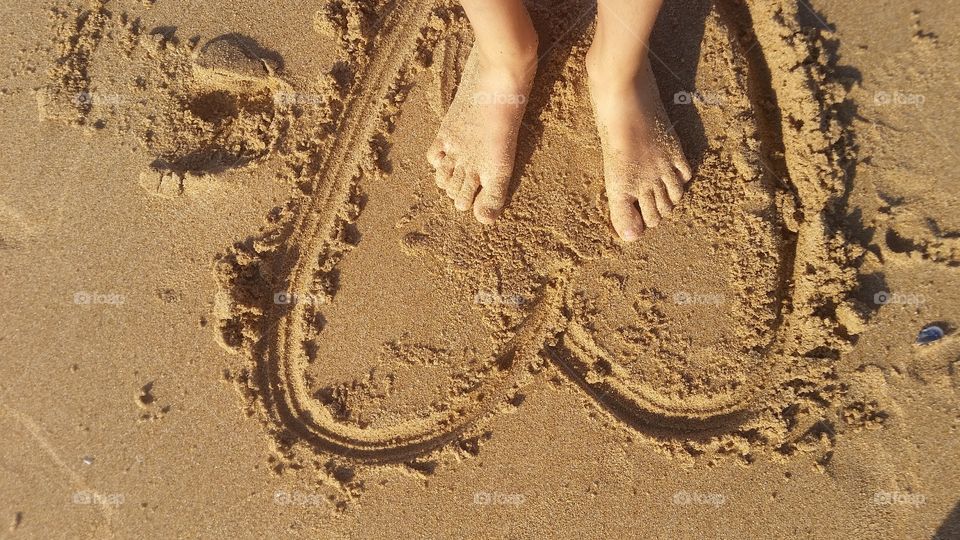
(476, 145)
(643, 165)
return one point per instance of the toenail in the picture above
(487, 217)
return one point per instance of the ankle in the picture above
(515, 60)
(610, 74)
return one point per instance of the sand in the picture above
(235, 303)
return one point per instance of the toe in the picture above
(625, 218)
(686, 173)
(468, 191)
(491, 200)
(455, 181)
(444, 171)
(674, 186)
(648, 208)
(664, 204)
(435, 153)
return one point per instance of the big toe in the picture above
(625, 218)
(491, 200)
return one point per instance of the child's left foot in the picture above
(644, 169)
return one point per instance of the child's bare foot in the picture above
(643, 165)
(476, 145)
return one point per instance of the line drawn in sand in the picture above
(277, 376)
(301, 254)
(783, 392)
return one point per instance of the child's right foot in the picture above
(476, 145)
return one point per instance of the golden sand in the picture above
(234, 195)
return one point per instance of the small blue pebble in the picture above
(930, 334)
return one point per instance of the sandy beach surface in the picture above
(235, 304)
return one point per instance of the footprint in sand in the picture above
(243, 107)
(198, 111)
(236, 109)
